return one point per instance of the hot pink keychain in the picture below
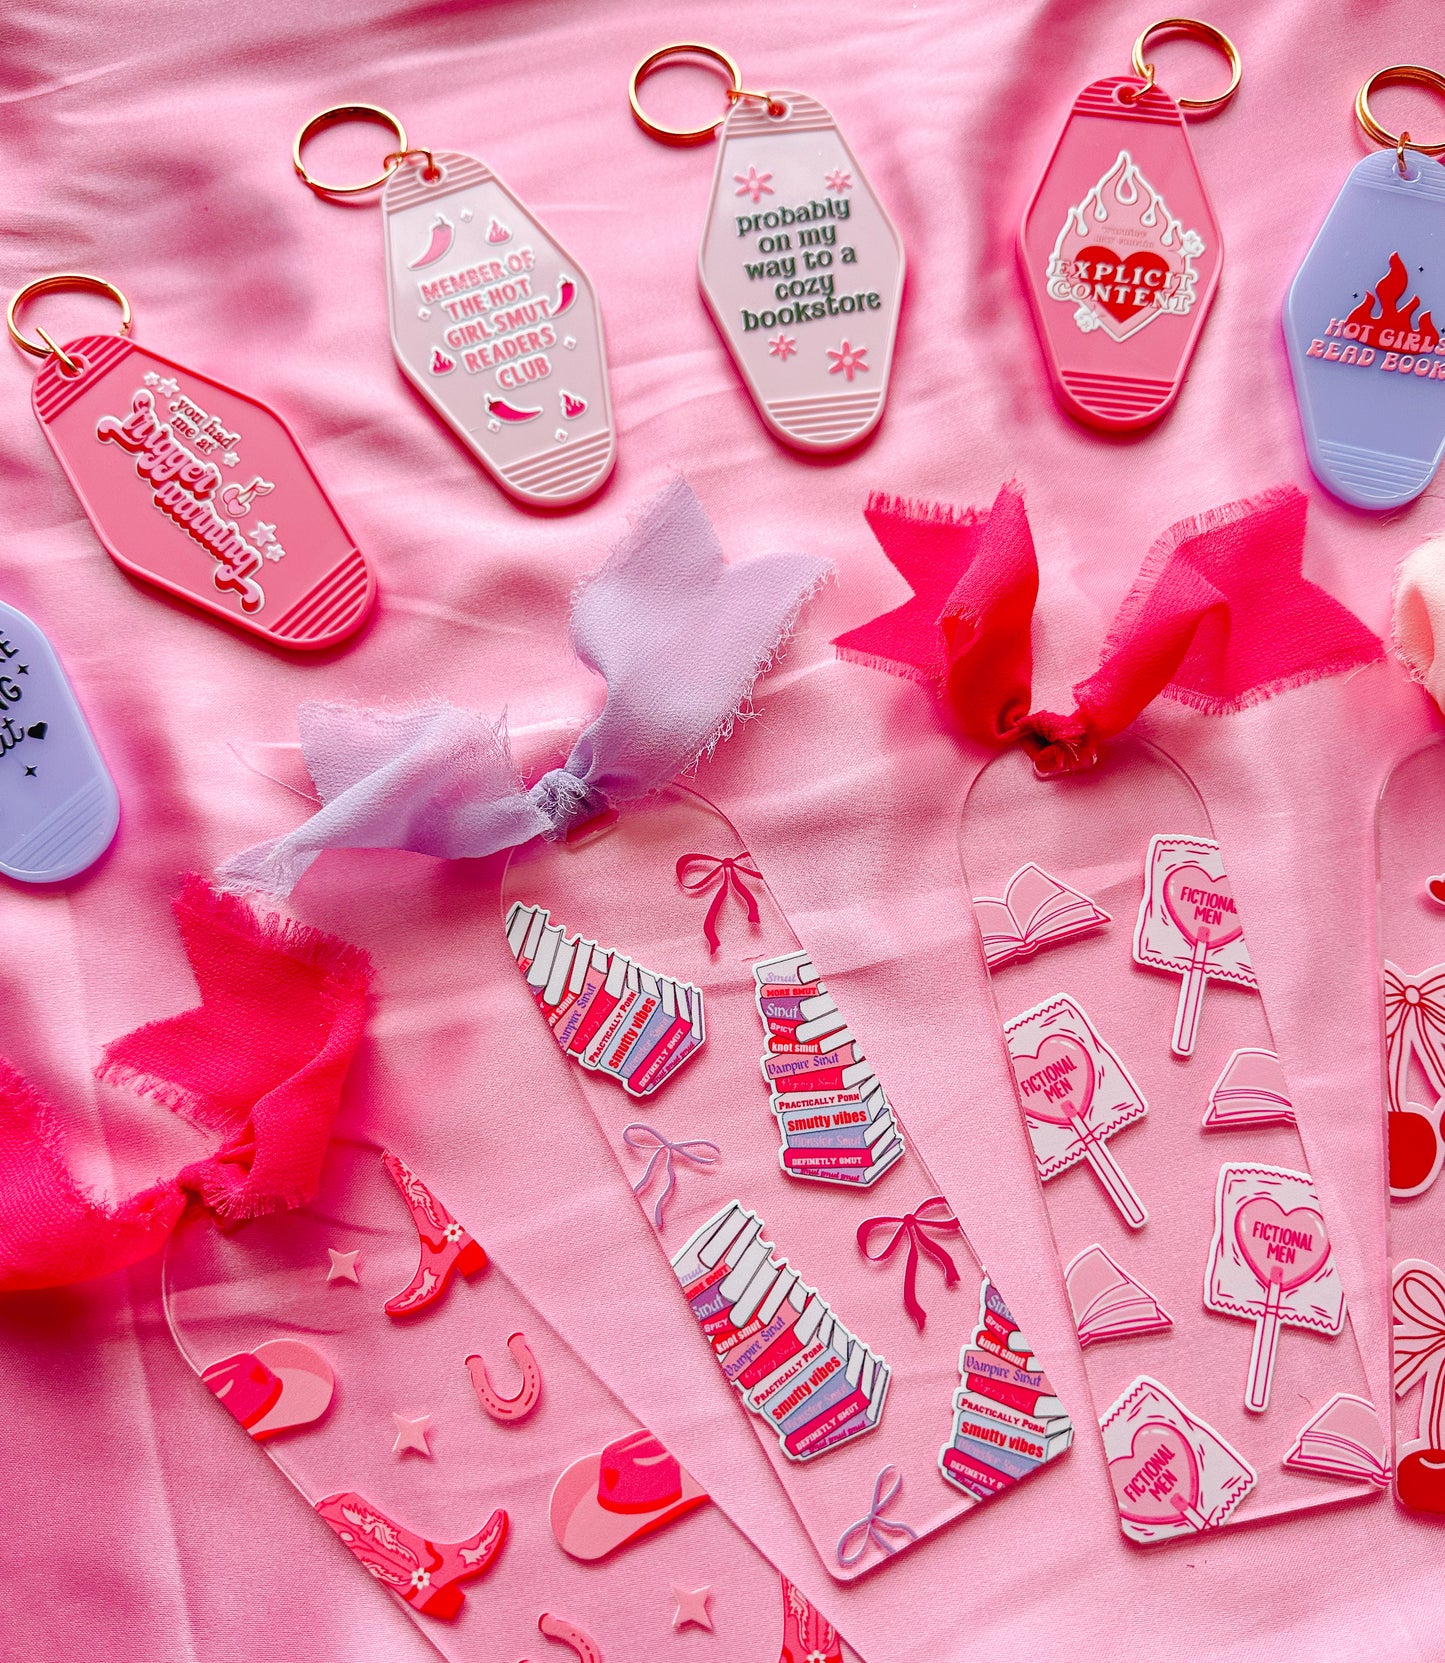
(1119, 247)
(492, 320)
(800, 265)
(194, 486)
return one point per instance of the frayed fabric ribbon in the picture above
(934, 1215)
(1414, 1027)
(1219, 617)
(1418, 626)
(260, 1061)
(680, 638)
(698, 873)
(642, 1138)
(873, 1527)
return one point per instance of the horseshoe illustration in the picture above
(525, 1401)
(558, 1628)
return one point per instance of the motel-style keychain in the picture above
(492, 320)
(800, 265)
(1360, 319)
(193, 486)
(1119, 248)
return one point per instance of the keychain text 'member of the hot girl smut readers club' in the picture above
(800, 265)
(492, 321)
(1363, 318)
(1119, 247)
(193, 486)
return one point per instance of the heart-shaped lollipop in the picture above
(1202, 907)
(1056, 1082)
(1284, 1247)
(1157, 1482)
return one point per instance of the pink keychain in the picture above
(492, 321)
(800, 265)
(194, 486)
(1119, 247)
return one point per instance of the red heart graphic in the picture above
(1414, 1145)
(1072, 1081)
(1436, 888)
(1158, 1478)
(1122, 287)
(1202, 907)
(1282, 1247)
(1420, 1480)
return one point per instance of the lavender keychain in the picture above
(1360, 319)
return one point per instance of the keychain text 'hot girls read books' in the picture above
(492, 321)
(1363, 317)
(197, 488)
(1196, 1253)
(1120, 248)
(800, 265)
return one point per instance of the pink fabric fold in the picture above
(1219, 617)
(260, 1061)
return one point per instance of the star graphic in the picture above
(423, 312)
(275, 552)
(691, 1607)
(570, 342)
(411, 1434)
(494, 426)
(753, 184)
(22, 669)
(150, 378)
(847, 360)
(782, 346)
(230, 458)
(261, 534)
(840, 181)
(560, 435)
(168, 387)
(466, 213)
(343, 1266)
(30, 772)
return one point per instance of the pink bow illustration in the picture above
(1414, 1026)
(1418, 1307)
(914, 1227)
(727, 873)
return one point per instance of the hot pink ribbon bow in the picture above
(1220, 616)
(934, 1214)
(728, 874)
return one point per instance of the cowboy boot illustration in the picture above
(446, 1248)
(424, 1574)
(808, 1636)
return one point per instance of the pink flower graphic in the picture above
(782, 346)
(847, 360)
(840, 181)
(753, 184)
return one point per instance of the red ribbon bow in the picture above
(727, 873)
(1219, 616)
(914, 1227)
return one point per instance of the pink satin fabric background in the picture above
(150, 144)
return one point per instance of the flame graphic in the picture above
(1386, 295)
(1123, 227)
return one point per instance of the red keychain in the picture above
(195, 487)
(1119, 247)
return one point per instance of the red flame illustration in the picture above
(441, 363)
(1386, 296)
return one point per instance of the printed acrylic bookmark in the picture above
(446, 1467)
(830, 1279)
(1412, 947)
(195, 487)
(492, 321)
(1150, 1108)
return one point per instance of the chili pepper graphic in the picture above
(505, 412)
(441, 363)
(566, 294)
(441, 241)
(498, 233)
(572, 406)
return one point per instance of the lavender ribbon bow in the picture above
(700, 1151)
(872, 1527)
(680, 637)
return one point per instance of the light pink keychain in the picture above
(800, 265)
(1119, 247)
(194, 486)
(492, 321)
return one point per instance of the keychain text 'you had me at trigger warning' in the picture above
(1119, 248)
(492, 320)
(193, 486)
(800, 265)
